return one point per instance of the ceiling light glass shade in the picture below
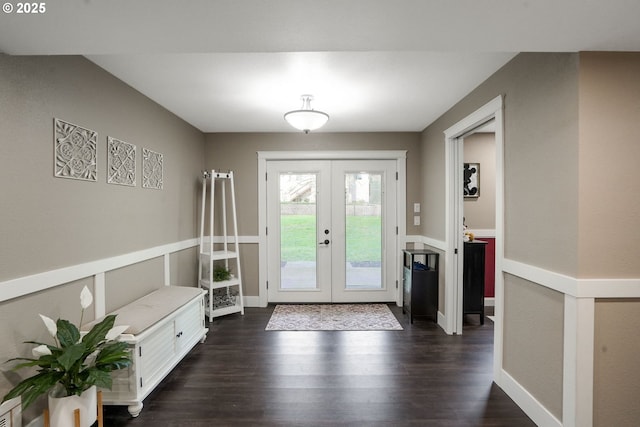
(306, 119)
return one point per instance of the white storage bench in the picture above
(163, 327)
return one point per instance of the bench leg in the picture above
(135, 410)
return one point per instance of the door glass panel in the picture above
(298, 231)
(363, 230)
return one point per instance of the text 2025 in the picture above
(31, 7)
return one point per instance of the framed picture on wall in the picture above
(471, 180)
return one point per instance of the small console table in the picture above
(420, 283)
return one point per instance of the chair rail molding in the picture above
(578, 358)
(21, 286)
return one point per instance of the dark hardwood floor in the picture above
(245, 376)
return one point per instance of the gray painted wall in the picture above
(49, 223)
(616, 373)
(570, 144)
(74, 221)
(480, 212)
(238, 152)
(609, 153)
(541, 172)
(609, 216)
(563, 112)
(533, 339)
(541, 200)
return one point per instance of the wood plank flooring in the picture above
(246, 376)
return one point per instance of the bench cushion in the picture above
(148, 310)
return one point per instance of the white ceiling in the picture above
(373, 65)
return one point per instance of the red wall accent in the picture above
(489, 267)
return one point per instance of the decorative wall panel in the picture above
(121, 162)
(151, 169)
(75, 151)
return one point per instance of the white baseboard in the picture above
(252, 301)
(442, 322)
(525, 400)
(442, 319)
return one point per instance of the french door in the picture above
(331, 233)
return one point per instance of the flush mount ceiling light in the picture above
(306, 118)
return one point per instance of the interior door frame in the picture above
(400, 156)
(453, 222)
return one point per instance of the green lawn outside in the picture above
(299, 238)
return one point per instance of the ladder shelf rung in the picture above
(221, 284)
(219, 255)
(222, 311)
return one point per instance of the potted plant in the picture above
(75, 364)
(220, 274)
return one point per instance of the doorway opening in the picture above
(454, 211)
(479, 203)
(332, 226)
(331, 230)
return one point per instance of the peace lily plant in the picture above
(76, 362)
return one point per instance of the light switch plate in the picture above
(416, 220)
(416, 207)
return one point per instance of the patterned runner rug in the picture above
(332, 317)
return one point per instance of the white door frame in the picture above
(321, 170)
(389, 239)
(400, 156)
(453, 222)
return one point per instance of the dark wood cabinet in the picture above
(420, 283)
(473, 278)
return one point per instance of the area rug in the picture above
(332, 317)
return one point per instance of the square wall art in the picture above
(151, 169)
(75, 151)
(121, 162)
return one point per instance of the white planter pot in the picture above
(61, 409)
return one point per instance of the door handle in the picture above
(326, 242)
